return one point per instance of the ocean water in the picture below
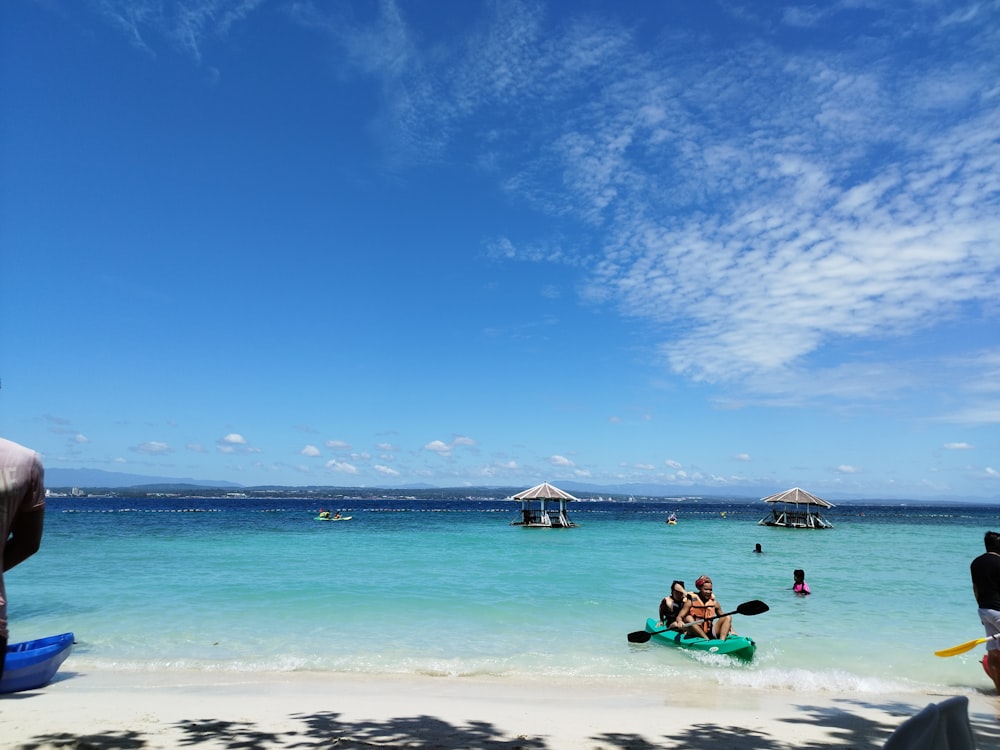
(447, 587)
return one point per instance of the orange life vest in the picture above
(702, 610)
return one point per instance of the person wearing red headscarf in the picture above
(700, 615)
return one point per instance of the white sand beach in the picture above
(204, 710)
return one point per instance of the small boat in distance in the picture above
(325, 515)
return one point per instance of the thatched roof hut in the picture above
(542, 516)
(796, 509)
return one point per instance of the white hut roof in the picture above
(798, 496)
(543, 490)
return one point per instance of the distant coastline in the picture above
(667, 497)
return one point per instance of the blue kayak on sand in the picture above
(33, 664)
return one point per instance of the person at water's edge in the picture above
(985, 571)
(22, 511)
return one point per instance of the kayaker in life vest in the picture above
(672, 604)
(704, 606)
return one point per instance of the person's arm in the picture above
(25, 537)
(682, 613)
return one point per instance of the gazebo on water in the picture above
(542, 516)
(796, 509)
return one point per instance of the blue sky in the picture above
(458, 243)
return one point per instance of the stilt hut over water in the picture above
(796, 509)
(542, 516)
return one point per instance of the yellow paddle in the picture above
(968, 646)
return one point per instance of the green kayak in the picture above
(737, 646)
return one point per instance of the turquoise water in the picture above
(448, 587)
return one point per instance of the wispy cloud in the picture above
(185, 25)
(152, 448)
(341, 467)
(445, 449)
(760, 206)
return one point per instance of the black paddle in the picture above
(754, 607)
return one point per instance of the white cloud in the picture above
(958, 446)
(152, 448)
(672, 464)
(310, 450)
(337, 445)
(80, 438)
(847, 469)
(560, 461)
(742, 457)
(234, 443)
(386, 470)
(445, 449)
(439, 447)
(341, 467)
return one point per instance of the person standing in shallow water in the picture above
(800, 586)
(985, 571)
(22, 511)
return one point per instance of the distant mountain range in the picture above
(98, 479)
(85, 478)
